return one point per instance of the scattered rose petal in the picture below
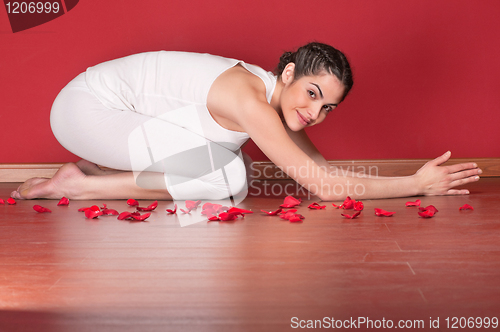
(290, 202)
(63, 201)
(104, 206)
(466, 207)
(2, 201)
(151, 207)
(133, 216)
(291, 215)
(109, 212)
(348, 204)
(172, 211)
(40, 209)
(185, 211)
(416, 203)
(83, 209)
(358, 206)
(336, 206)
(191, 205)
(429, 208)
(124, 215)
(426, 213)
(213, 218)
(93, 212)
(11, 201)
(316, 206)
(351, 217)
(272, 213)
(132, 202)
(239, 211)
(383, 213)
(226, 216)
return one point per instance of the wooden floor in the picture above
(63, 272)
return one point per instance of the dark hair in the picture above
(313, 58)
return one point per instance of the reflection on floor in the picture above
(63, 272)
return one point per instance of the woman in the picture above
(172, 125)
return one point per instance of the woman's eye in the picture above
(311, 93)
(328, 108)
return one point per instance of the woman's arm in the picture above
(244, 104)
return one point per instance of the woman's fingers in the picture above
(458, 192)
(465, 174)
(462, 167)
(441, 159)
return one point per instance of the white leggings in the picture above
(193, 167)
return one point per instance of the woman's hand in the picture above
(433, 179)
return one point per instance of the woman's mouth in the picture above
(302, 119)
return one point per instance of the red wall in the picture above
(426, 71)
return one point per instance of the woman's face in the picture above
(307, 101)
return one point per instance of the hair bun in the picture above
(285, 59)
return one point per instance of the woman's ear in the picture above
(287, 74)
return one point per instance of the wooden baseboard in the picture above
(267, 170)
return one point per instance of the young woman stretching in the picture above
(171, 125)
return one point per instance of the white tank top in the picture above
(172, 86)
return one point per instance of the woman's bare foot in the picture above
(65, 183)
(89, 168)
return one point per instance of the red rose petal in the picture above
(172, 211)
(63, 201)
(140, 217)
(185, 211)
(383, 213)
(272, 213)
(226, 216)
(416, 203)
(336, 206)
(239, 211)
(296, 218)
(426, 213)
(316, 206)
(213, 218)
(11, 201)
(109, 212)
(348, 204)
(466, 207)
(290, 214)
(290, 202)
(124, 215)
(40, 209)
(191, 205)
(2, 201)
(150, 207)
(429, 208)
(132, 202)
(358, 206)
(92, 213)
(351, 217)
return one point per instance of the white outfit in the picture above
(148, 112)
